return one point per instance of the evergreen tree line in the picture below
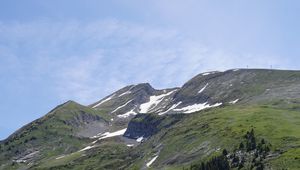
(249, 150)
(216, 163)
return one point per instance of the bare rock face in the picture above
(146, 125)
(88, 125)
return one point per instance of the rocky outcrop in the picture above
(82, 118)
(146, 125)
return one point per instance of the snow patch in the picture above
(121, 106)
(130, 145)
(127, 92)
(86, 148)
(20, 161)
(26, 157)
(151, 161)
(61, 157)
(201, 90)
(205, 74)
(234, 101)
(171, 108)
(197, 107)
(208, 73)
(103, 101)
(154, 100)
(140, 139)
(109, 135)
(103, 136)
(127, 114)
(236, 70)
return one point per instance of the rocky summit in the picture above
(236, 119)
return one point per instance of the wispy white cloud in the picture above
(85, 61)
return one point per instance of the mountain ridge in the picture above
(139, 120)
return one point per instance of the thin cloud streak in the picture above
(86, 61)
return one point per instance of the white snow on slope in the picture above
(100, 136)
(127, 114)
(121, 106)
(86, 148)
(20, 161)
(61, 157)
(103, 101)
(127, 92)
(207, 73)
(154, 100)
(200, 91)
(197, 107)
(171, 108)
(140, 139)
(235, 101)
(109, 135)
(151, 161)
(26, 157)
(130, 145)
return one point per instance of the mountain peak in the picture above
(247, 98)
(70, 102)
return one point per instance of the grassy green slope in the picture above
(198, 137)
(48, 136)
(204, 134)
(109, 154)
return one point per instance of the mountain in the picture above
(236, 119)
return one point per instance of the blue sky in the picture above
(52, 51)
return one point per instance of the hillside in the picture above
(248, 118)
